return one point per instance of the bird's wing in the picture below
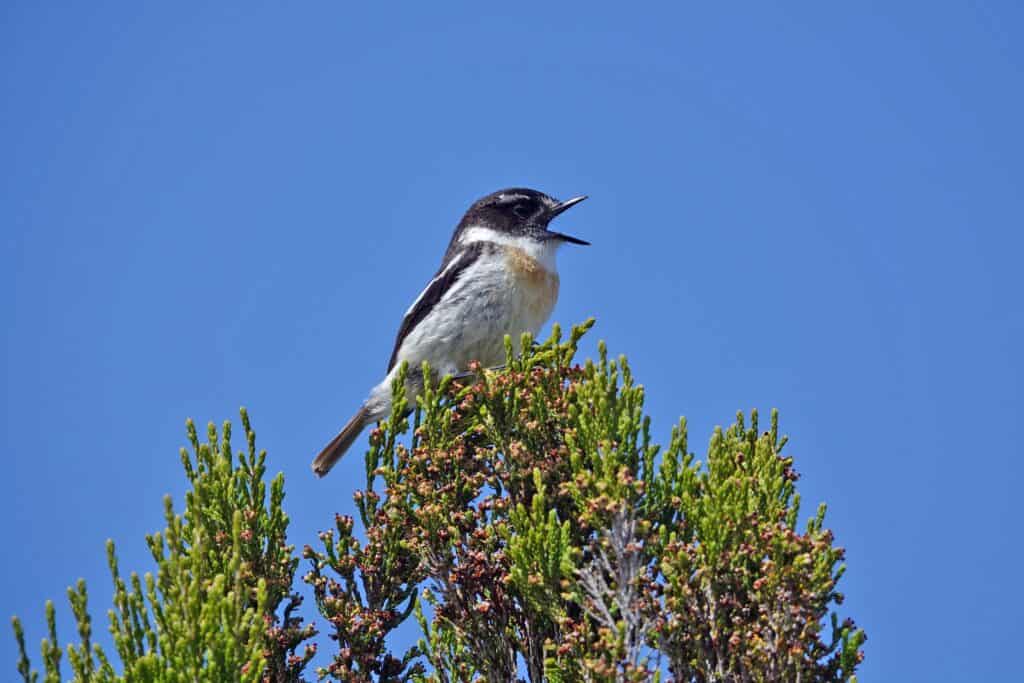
(442, 283)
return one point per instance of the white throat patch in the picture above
(542, 252)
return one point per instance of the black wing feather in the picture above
(443, 281)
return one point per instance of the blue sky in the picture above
(815, 208)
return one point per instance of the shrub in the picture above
(524, 518)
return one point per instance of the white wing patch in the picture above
(440, 275)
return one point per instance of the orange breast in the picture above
(539, 285)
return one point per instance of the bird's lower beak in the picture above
(567, 238)
(567, 204)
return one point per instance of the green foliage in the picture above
(525, 520)
(745, 591)
(558, 542)
(223, 569)
(376, 586)
(540, 553)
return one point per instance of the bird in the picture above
(498, 276)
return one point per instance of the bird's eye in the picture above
(521, 210)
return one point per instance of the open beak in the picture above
(567, 204)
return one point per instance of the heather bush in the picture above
(221, 604)
(526, 521)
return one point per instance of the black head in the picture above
(519, 212)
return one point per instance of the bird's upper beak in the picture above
(560, 208)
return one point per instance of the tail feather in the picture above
(333, 451)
